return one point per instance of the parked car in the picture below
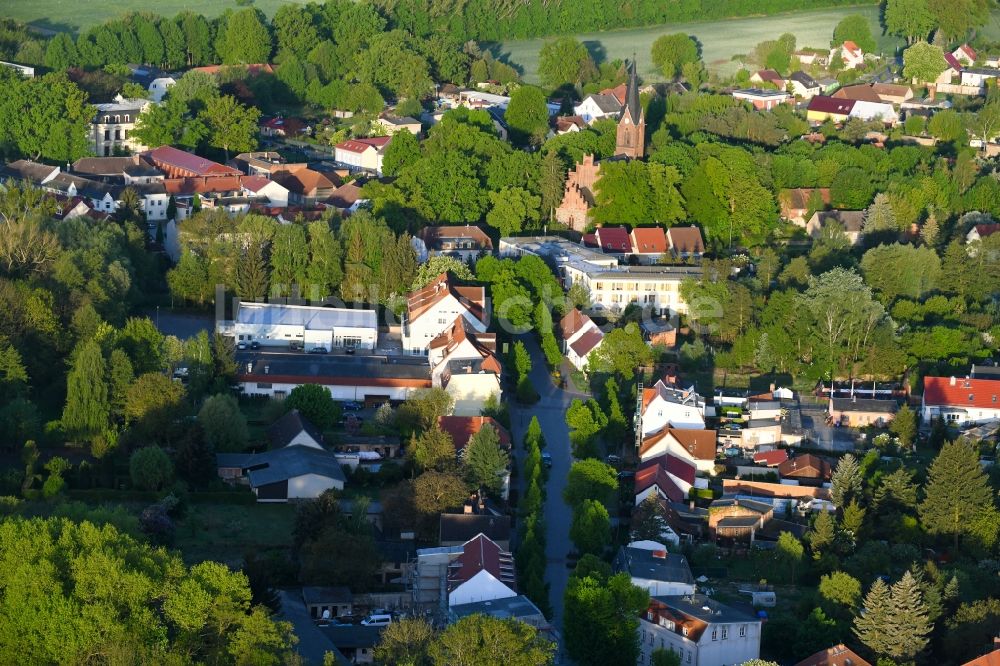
(547, 459)
(294, 346)
(254, 345)
(377, 620)
(351, 406)
(349, 351)
(318, 350)
(241, 345)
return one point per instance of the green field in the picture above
(720, 40)
(73, 15)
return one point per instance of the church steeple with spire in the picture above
(631, 135)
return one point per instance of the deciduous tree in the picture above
(671, 52)
(223, 424)
(591, 527)
(315, 403)
(482, 639)
(150, 468)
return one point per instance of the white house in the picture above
(656, 571)
(978, 76)
(273, 325)
(668, 477)
(965, 54)
(478, 570)
(664, 405)
(299, 467)
(260, 187)
(597, 106)
(702, 631)
(362, 154)
(112, 126)
(851, 55)
(464, 363)
(698, 447)
(960, 401)
(432, 310)
(866, 110)
(804, 85)
(581, 337)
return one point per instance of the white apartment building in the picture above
(664, 405)
(432, 311)
(702, 631)
(112, 126)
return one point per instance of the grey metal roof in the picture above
(462, 527)
(606, 103)
(641, 563)
(508, 607)
(330, 366)
(864, 405)
(353, 636)
(292, 461)
(311, 317)
(632, 105)
(706, 609)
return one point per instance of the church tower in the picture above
(631, 135)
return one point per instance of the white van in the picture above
(377, 620)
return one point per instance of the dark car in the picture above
(241, 345)
(349, 351)
(318, 350)
(547, 459)
(254, 345)
(351, 406)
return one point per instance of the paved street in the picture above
(551, 413)
(825, 436)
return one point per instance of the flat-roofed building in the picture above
(273, 325)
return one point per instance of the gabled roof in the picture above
(838, 655)
(858, 93)
(254, 183)
(803, 78)
(573, 322)
(432, 236)
(891, 90)
(770, 75)
(852, 47)
(202, 185)
(805, 465)
(649, 240)
(851, 220)
(31, 171)
(985, 230)
(953, 62)
(565, 123)
(655, 565)
(346, 195)
(462, 527)
(618, 92)
(799, 197)
(653, 474)
(303, 181)
(968, 51)
(462, 428)
(288, 427)
(103, 166)
(695, 613)
(826, 104)
(864, 405)
(988, 659)
(291, 461)
(606, 103)
(361, 145)
(613, 239)
(482, 554)
(587, 342)
(422, 300)
(686, 239)
(978, 393)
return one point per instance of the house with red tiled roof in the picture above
(685, 242)
(839, 655)
(260, 188)
(959, 401)
(851, 55)
(433, 309)
(649, 244)
(988, 659)
(176, 163)
(461, 429)
(580, 336)
(567, 125)
(362, 154)
(770, 458)
(305, 186)
(965, 54)
(464, 363)
(768, 76)
(981, 231)
(805, 468)
(666, 475)
(795, 203)
(613, 240)
(279, 126)
(697, 447)
(481, 572)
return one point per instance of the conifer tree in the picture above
(906, 633)
(845, 481)
(485, 461)
(931, 229)
(871, 625)
(86, 412)
(822, 535)
(879, 216)
(957, 494)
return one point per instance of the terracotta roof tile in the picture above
(587, 342)
(649, 240)
(653, 473)
(613, 239)
(361, 145)
(462, 428)
(978, 393)
(686, 239)
(838, 655)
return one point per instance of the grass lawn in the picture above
(223, 532)
(720, 40)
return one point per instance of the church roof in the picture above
(632, 106)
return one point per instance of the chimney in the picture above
(659, 554)
(951, 381)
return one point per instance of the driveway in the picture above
(551, 413)
(825, 436)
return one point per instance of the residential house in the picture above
(735, 520)
(989, 659)
(668, 405)
(655, 570)
(807, 57)
(888, 93)
(176, 163)
(952, 69)
(806, 468)
(762, 100)
(698, 447)
(959, 401)
(768, 76)
(611, 240)
(432, 310)
(858, 413)
(467, 242)
(464, 363)
(567, 124)
(796, 203)
(804, 85)
(261, 188)
(870, 105)
(851, 55)
(327, 603)
(750, 435)
(305, 186)
(771, 458)
(112, 126)
(580, 336)
(283, 127)
(823, 107)
(851, 222)
(778, 494)
(980, 231)
(456, 529)
(347, 198)
(685, 242)
(362, 154)
(700, 630)
(518, 608)
(354, 642)
(462, 429)
(392, 124)
(579, 195)
(275, 325)
(264, 163)
(24, 70)
(666, 476)
(838, 655)
(157, 82)
(371, 380)
(978, 76)
(649, 244)
(297, 468)
(597, 106)
(965, 54)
